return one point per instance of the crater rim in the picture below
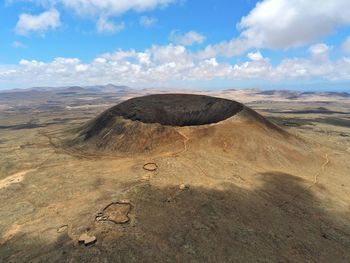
(176, 110)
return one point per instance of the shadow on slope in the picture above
(280, 221)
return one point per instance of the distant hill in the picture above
(293, 95)
(109, 88)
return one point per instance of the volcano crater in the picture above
(158, 122)
(176, 109)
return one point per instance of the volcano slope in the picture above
(180, 178)
(160, 123)
(166, 124)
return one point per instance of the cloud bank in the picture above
(163, 64)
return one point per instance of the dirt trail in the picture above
(323, 167)
(322, 170)
(186, 139)
(325, 163)
(71, 152)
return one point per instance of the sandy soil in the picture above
(213, 198)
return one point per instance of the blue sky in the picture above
(294, 44)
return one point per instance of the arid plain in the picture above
(232, 191)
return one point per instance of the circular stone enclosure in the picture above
(176, 109)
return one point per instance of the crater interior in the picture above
(176, 109)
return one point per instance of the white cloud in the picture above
(81, 68)
(18, 44)
(346, 45)
(105, 8)
(187, 39)
(231, 48)
(319, 51)
(103, 25)
(282, 24)
(170, 53)
(255, 56)
(290, 23)
(147, 21)
(38, 23)
(164, 64)
(101, 10)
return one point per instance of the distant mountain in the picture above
(122, 90)
(75, 89)
(293, 95)
(281, 93)
(338, 94)
(109, 88)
